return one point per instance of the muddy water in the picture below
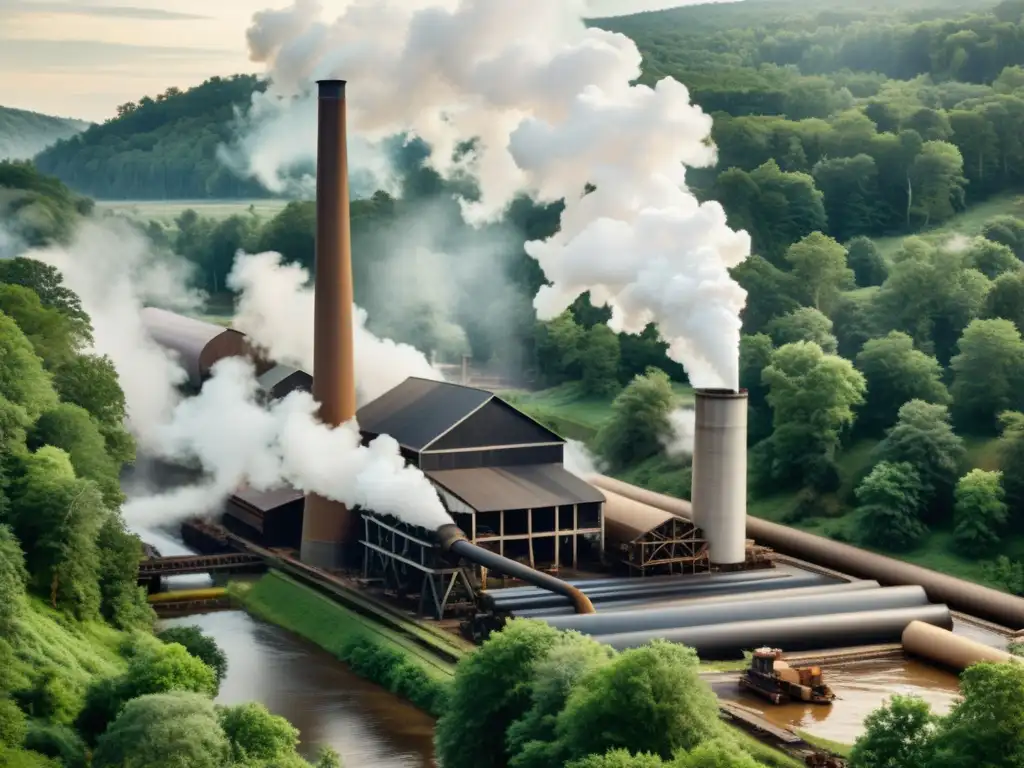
(366, 724)
(861, 687)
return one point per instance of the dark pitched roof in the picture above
(282, 379)
(419, 412)
(491, 489)
(265, 501)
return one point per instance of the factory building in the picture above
(272, 519)
(498, 472)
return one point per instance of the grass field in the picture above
(968, 223)
(167, 210)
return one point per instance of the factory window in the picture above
(516, 522)
(488, 524)
(566, 519)
(590, 515)
(544, 520)
(544, 551)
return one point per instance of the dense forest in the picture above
(162, 147)
(24, 134)
(83, 679)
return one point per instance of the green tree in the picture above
(292, 233)
(533, 739)
(755, 356)
(489, 693)
(898, 734)
(650, 698)
(986, 726)
(991, 259)
(853, 323)
(1006, 299)
(203, 647)
(770, 292)
(48, 284)
(91, 382)
(804, 324)
(13, 724)
(167, 730)
(850, 186)
(619, 758)
(866, 261)
(890, 501)
(1011, 460)
(987, 374)
(812, 396)
(924, 439)
(639, 420)
(256, 736)
(1007, 230)
(599, 359)
(980, 512)
(123, 602)
(58, 517)
(23, 380)
(896, 373)
(819, 267)
(557, 345)
(72, 429)
(12, 583)
(51, 333)
(937, 182)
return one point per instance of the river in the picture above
(367, 725)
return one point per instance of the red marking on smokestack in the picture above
(327, 525)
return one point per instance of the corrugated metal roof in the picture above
(265, 501)
(626, 520)
(491, 489)
(418, 411)
(278, 376)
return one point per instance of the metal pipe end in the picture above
(331, 89)
(448, 534)
(724, 394)
(580, 601)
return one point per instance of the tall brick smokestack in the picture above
(327, 525)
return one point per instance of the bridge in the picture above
(159, 567)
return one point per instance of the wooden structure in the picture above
(409, 565)
(498, 472)
(649, 541)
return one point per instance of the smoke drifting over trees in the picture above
(522, 97)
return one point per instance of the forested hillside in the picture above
(162, 147)
(23, 134)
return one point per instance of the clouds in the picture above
(9, 8)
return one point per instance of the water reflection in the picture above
(328, 704)
(862, 688)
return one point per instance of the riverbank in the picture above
(372, 650)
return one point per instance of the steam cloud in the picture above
(549, 106)
(276, 311)
(682, 427)
(224, 430)
(239, 441)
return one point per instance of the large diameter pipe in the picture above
(657, 603)
(644, 587)
(768, 607)
(767, 585)
(808, 633)
(681, 586)
(946, 649)
(720, 473)
(327, 526)
(453, 540)
(973, 599)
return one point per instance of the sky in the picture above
(82, 58)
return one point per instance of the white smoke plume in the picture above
(682, 427)
(579, 460)
(550, 107)
(239, 441)
(115, 272)
(276, 311)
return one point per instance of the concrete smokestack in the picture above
(719, 493)
(327, 525)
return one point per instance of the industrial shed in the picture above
(282, 380)
(196, 344)
(499, 473)
(268, 518)
(648, 540)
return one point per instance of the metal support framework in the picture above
(412, 567)
(676, 546)
(189, 564)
